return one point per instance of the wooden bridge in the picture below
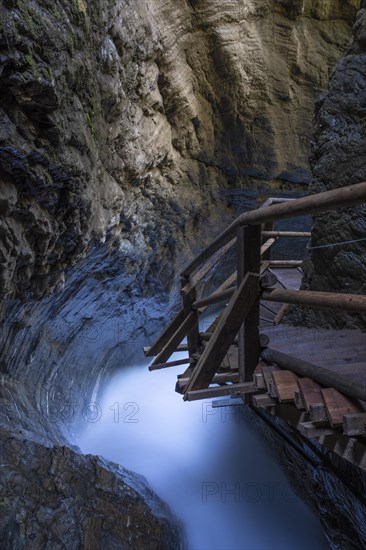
(245, 353)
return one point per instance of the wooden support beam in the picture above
(318, 413)
(299, 403)
(322, 300)
(263, 400)
(286, 263)
(248, 260)
(214, 298)
(258, 380)
(224, 335)
(219, 391)
(171, 346)
(321, 375)
(166, 335)
(354, 424)
(312, 397)
(268, 379)
(176, 363)
(309, 429)
(193, 335)
(232, 402)
(181, 347)
(217, 379)
(286, 234)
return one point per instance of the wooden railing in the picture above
(252, 233)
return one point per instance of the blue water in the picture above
(209, 464)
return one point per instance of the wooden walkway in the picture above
(315, 376)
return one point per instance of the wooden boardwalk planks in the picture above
(337, 405)
(312, 398)
(285, 383)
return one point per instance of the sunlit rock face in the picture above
(338, 159)
(115, 115)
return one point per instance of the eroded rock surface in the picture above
(53, 498)
(130, 116)
(339, 159)
(120, 124)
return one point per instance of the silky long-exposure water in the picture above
(208, 464)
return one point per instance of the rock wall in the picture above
(120, 124)
(338, 159)
(116, 114)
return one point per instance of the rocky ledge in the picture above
(57, 498)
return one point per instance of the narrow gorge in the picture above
(128, 130)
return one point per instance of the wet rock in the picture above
(338, 159)
(54, 497)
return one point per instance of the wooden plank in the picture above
(232, 402)
(322, 300)
(221, 378)
(248, 260)
(228, 326)
(176, 363)
(354, 424)
(232, 389)
(309, 429)
(171, 346)
(286, 263)
(321, 202)
(286, 234)
(166, 335)
(286, 385)
(337, 405)
(323, 376)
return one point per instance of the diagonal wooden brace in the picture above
(171, 346)
(224, 335)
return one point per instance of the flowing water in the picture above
(208, 464)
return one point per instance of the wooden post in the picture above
(193, 336)
(248, 260)
(228, 326)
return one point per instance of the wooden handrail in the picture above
(322, 202)
(322, 300)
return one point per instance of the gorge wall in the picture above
(338, 159)
(121, 123)
(115, 115)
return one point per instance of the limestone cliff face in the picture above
(120, 124)
(116, 114)
(338, 159)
